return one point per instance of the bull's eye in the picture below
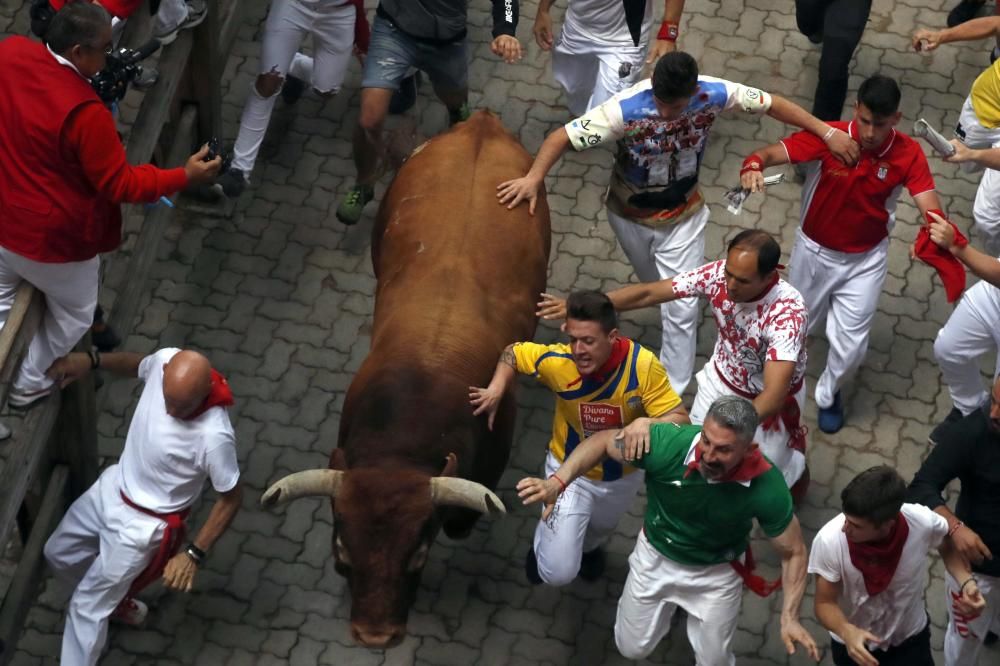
(419, 558)
(342, 555)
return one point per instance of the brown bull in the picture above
(458, 278)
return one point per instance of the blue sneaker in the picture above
(831, 419)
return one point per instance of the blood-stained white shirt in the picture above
(771, 328)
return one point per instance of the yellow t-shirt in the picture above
(986, 96)
(639, 387)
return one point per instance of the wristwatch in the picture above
(196, 554)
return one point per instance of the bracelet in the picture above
(752, 163)
(829, 133)
(954, 528)
(195, 553)
(561, 482)
(669, 30)
(971, 579)
(95, 359)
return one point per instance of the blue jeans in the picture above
(392, 53)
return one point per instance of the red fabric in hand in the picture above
(877, 560)
(950, 269)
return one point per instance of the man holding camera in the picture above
(65, 174)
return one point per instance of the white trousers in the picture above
(591, 74)
(659, 254)
(656, 586)
(98, 549)
(974, 134)
(963, 640)
(986, 211)
(584, 517)
(70, 298)
(844, 288)
(971, 332)
(332, 30)
(774, 443)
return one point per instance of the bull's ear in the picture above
(337, 459)
(450, 465)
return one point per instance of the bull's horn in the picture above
(310, 483)
(452, 491)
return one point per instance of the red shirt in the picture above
(852, 209)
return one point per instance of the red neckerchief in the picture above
(753, 465)
(220, 395)
(877, 560)
(949, 269)
(619, 350)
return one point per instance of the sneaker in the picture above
(965, 10)
(592, 565)
(5, 433)
(231, 183)
(831, 419)
(350, 209)
(954, 415)
(816, 38)
(406, 96)
(147, 79)
(197, 11)
(459, 115)
(20, 399)
(292, 89)
(531, 568)
(131, 612)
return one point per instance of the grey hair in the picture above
(737, 414)
(80, 23)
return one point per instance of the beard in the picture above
(711, 472)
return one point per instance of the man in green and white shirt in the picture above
(705, 486)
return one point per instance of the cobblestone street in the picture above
(280, 298)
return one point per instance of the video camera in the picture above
(111, 83)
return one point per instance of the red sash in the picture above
(173, 537)
(790, 414)
(757, 584)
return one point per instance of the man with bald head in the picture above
(128, 529)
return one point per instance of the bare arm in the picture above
(543, 26)
(777, 381)
(75, 365)
(180, 570)
(528, 187)
(487, 400)
(832, 617)
(642, 295)
(982, 265)
(752, 176)
(584, 457)
(838, 142)
(985, 157)
(672, 12)
(970, 602)
(792, 549)
(980, 28)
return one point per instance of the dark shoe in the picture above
(990, 639)
(350, 209)
(104, 337)
(531, 568)
(965, 10)
(292, 89)
(461, 114)
(994, 54)
(592, 565)
(815, 39)
(831, 419)
(800, 487)
(231, 183)
(147, 78)
(406, 96)
(954, 415)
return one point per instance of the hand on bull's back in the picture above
(513, 192)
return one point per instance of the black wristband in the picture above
(95, 359)
(195, 553)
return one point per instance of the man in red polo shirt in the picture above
(64, 176)
(840, 256)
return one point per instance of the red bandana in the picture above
(220, 395)
(949, 269)
(619, 351)
(877, 560)
(753, 465)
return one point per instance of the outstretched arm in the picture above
(180, 570)
(792, 549)
(666, 38)
(75, 365)
(752, 172)
(980, 28)
(529, 187)
(642, 295)
(487, 400)
(843, 147)
(982, 265)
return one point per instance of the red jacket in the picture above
(64, 170)
(119, 8)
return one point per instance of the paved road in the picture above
(280, 297)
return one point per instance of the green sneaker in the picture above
(460, 115)
(350, 209)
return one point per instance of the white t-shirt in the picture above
(166, 460)
(898, 612)
(771, 328)
(602, 22)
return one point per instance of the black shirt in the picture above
(968, 450)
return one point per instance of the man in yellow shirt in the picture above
(602, 381)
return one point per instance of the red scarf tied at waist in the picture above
(173, 537)
(877, 560)
(790, 415)
(949, 269)
(753, 465)
(619, 350)
(220, 395)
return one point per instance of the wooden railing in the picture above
(52, 457)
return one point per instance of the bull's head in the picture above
(384, 525)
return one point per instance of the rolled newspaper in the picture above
(737, 195)
(937, 141)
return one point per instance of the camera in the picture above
(111, 83)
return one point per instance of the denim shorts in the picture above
(391, 54)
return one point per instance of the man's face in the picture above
(721, 450)
(860, 530)
(873, 130)
(590, 345)
(995, 407)
(743, 282)
(92, 59)
(673, 109)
